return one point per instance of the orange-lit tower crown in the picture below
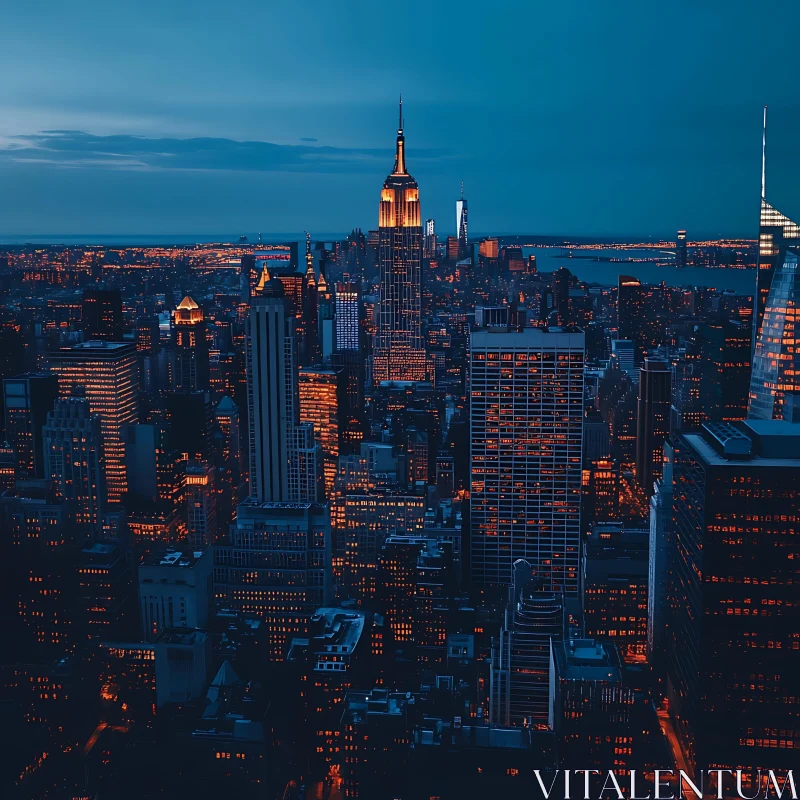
(399, 353)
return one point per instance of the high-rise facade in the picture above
(276, 565)
(652, 422)
(190, 364)
(399, 351)
(28, 399)
(108, 371)
(348, 317)
(774, 382)
(283, 458)
(73, 459)
(681, 259)
(776, 232)
(101, 313)
(520, 667)
(321, 392)
(733, 618)
(462, 228)
(526, 426)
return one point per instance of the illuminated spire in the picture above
(400, 156)
(764, 158)
(263, 280)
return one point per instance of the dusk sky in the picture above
(574, 117)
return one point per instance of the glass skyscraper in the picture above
(774, 385)
(399, 352)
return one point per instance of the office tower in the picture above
(452, 249)
(101, 313)
(253, 573)
(108, 372)
(725, 355)
(734, 622)
(348, 316)
(601, 491)
(175, 591)
(399, 351)
(430, 238)
(148, 348)
(489, 249)
(28, 399)
(462, 228)
(364, 520)
(191, 428)
(512, 259)
(321, 394)
(226, 417)
(151, 464)
(201, 505)
(596, 437)
(107, 592)
(775, 233)
(598, 718)
(8, 467)
(774, 383)
(189, 356)
(73, 460)
(658, 553)
(416, 584)
(615, 586)
(622, 353)
(680, 250)
(641, 314)
(652, 426)
(687, 412)
(376, 731)
(526, 424)
(283, 459)
(533, 621)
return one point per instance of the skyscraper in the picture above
(73, 459)
(680, 250)
(28, 399)
(461, 223)
(733, 619)
(399, 352)
(776, 232)
(276, 565)
(108, 371)
(101, 312)
(282, 450)
(348, 316)
(534, 620)
(526, 421)
(321, 397)
(652, 422)
(189, 348)
(774, 381)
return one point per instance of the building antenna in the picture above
(764, 158)
(462, 190)
(400, 119)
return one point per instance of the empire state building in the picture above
(399, 352)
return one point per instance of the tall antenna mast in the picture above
(764, 158)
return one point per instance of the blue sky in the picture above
(574, 117)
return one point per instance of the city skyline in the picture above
(259, 137)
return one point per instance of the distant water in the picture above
(133, 240)
(549, 259)
(606, 273)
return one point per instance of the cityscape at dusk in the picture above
(441, 445)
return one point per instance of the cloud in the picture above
(308, 139)
(67, 148)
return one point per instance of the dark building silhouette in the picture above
(734, 622)
(101, 312)
(28, 399)
(652, 421)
